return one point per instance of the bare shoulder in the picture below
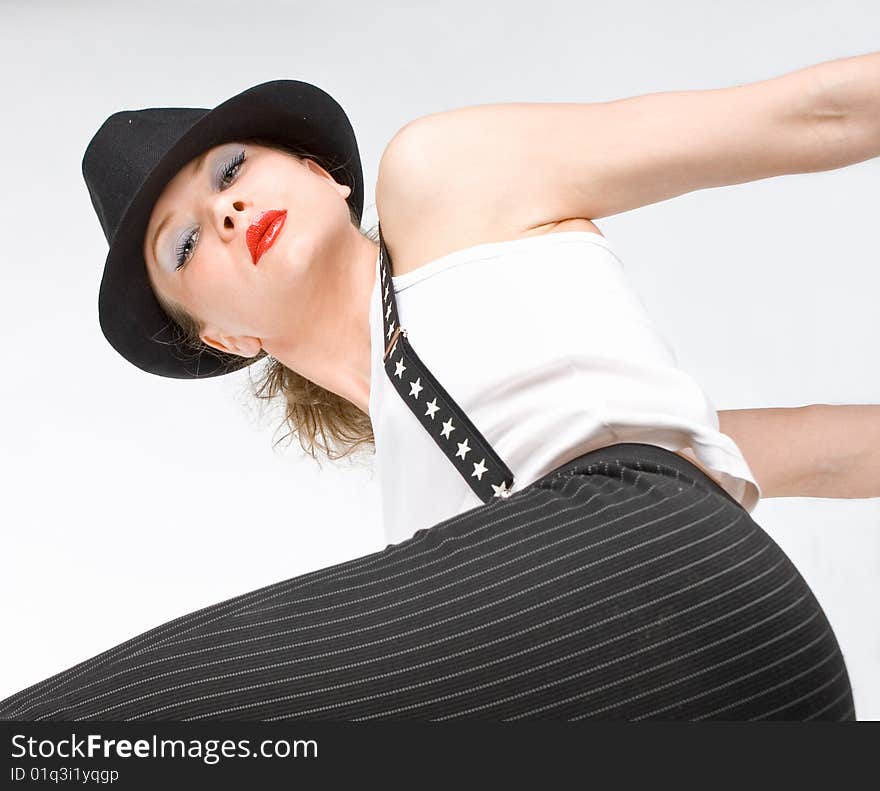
(529, 164)
(421, 219)
(494, 171)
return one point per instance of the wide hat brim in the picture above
(288, 111)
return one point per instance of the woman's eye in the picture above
(231, 169)
(183, 250)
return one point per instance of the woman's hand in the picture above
(819, 450)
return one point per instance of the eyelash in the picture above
(181, 255)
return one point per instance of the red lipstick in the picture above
(263, 231)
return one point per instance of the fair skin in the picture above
(307, 304)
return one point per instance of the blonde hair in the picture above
(321, 419)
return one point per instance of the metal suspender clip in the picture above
(391, 343)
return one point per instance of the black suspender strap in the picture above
(464, 446)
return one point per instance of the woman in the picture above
(612, 571)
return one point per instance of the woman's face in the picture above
(196, 247)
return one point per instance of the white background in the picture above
(129, 500)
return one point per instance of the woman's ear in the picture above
(242, 345)
(343, 189)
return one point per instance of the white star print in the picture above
(416, 388)
(388, 312)
(448, 428)
(432, 408)
(479, 469)
(463, 448)
(390, 330)
(500, 491)
(400, 369)
(386, 293)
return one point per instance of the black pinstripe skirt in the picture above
(625, 584)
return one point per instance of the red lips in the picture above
(264, 231)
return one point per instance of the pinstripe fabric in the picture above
(626, 584)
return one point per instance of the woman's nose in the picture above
(233, 216)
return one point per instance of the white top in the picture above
(547, 349)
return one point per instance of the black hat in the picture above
(133, 156)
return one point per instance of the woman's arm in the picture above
(520, 165)
(819, 450)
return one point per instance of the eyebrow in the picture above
(200, 161)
